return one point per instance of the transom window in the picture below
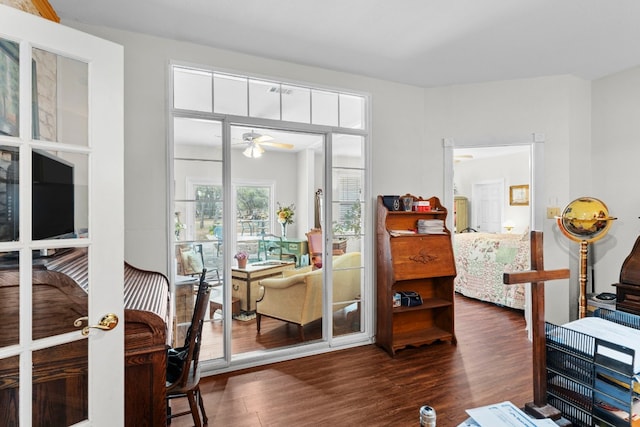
(215, 92)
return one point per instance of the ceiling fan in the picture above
(255, 141)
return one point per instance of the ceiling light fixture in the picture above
(253, 151)
(280, 89)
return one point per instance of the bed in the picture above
(483, 258)
(593, 371)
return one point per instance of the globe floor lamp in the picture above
(584, 220)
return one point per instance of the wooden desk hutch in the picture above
(423, 263)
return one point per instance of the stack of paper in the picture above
(396, 233)
(504, 414)
(430, 226)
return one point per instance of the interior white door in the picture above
(93, 138)
(487, 207)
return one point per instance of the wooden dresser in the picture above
(60, 297)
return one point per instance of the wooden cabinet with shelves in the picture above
(423, 263)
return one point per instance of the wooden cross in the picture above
(537, 276)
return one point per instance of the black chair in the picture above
(187, 383)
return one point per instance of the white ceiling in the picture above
(468, 154)
(420, 42)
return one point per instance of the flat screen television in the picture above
(53, 200)
(52, 197)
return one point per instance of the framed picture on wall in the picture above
(519, 195)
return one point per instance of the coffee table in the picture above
(245, 281)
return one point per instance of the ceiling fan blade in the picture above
(278, 145)
(262, 138)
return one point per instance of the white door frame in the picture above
(535, 141)
(105, 153)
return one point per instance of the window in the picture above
(253, 212)
(218, 116)
(348, 179)
(269, 99)
(349, 219)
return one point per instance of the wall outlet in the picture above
(552, 213)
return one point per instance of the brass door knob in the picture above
(107, 323)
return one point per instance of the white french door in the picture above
(73, 121)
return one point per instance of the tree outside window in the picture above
(208, 209)
(253, 202)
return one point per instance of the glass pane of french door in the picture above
(61, 101)
(57, 204)
(59, 210)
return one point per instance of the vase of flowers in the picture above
(285, 217)
(242, 257)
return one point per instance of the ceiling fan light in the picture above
(253, 151)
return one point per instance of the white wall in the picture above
(616, 169)
(306, 192)
(512, 111)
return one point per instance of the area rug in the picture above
(245, 317)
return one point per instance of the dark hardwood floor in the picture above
(365, 386)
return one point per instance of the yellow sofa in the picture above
(297, 298)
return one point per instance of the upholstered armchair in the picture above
(297, 298)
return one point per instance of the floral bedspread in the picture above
(481, 261)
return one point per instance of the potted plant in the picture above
(242, 259)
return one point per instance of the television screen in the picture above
(52, 197)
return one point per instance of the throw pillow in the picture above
(191, 261)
